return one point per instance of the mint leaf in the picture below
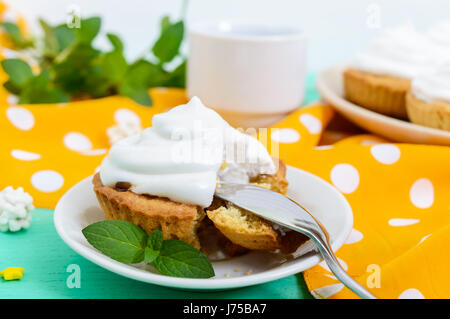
(122, 241)
(89, 29)
(65, 36)
(165, 22)
(115, 42)
(18, 70)
(39, 90)
(169, 42)
(179, 259)
(154, 244)
(177, 78)
(51, 45)
(137, 94)
(13, 31)
(136, 81)
(8, 85)
(114, 65)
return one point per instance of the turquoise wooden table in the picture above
(48, 260)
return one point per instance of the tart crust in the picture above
(380, 93)
(176, 220)
(431, 114)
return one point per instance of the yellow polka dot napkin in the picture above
(399, 193)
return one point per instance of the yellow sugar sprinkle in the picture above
(237, 270)
(227, 275)
(249, 272)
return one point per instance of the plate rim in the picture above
(195, 283)
(328, 94)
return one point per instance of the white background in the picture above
(335, 29)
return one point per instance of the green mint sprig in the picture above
(71, 68)
(128, 243)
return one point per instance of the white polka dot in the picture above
(411, 293)
(20, 117)
(422, 193)
(385, 153)
(76, 141)
(47, 181)
(285, 135)
(126, 116)
(12, 99)
(312, 123)
(396, 222)
(327, 291)
(25, 155)
(324, 265)
(345, 177)
(354, 237)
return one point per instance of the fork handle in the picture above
(340, 273)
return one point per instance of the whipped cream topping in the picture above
(180, 157)
(400, 52)
(433, 86)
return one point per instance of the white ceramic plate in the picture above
(78, 208)
(329, 84)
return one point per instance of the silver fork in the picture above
(286, 212)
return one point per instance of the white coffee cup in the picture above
(252, 74)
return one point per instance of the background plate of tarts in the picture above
(331, 87)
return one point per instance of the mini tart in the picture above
(380, 93)
(243, 230)
(431, 114)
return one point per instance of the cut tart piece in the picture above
(250, 231)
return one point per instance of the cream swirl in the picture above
(400, 52)
(433, 86)
(179, 157)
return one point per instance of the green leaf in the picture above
(179, 259)
(16, 35)
(114, 65)
(168, 44)
(115, 42)
(177, 78)
(165, 22)
(71, 74)
(122, 241)
(18, 70)
(139, 77)
(12, 88)
(50, 40)
(64, 36)
(139, 95)
(89, 29)
(39, 90)
(13, 31)
(154, 244)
